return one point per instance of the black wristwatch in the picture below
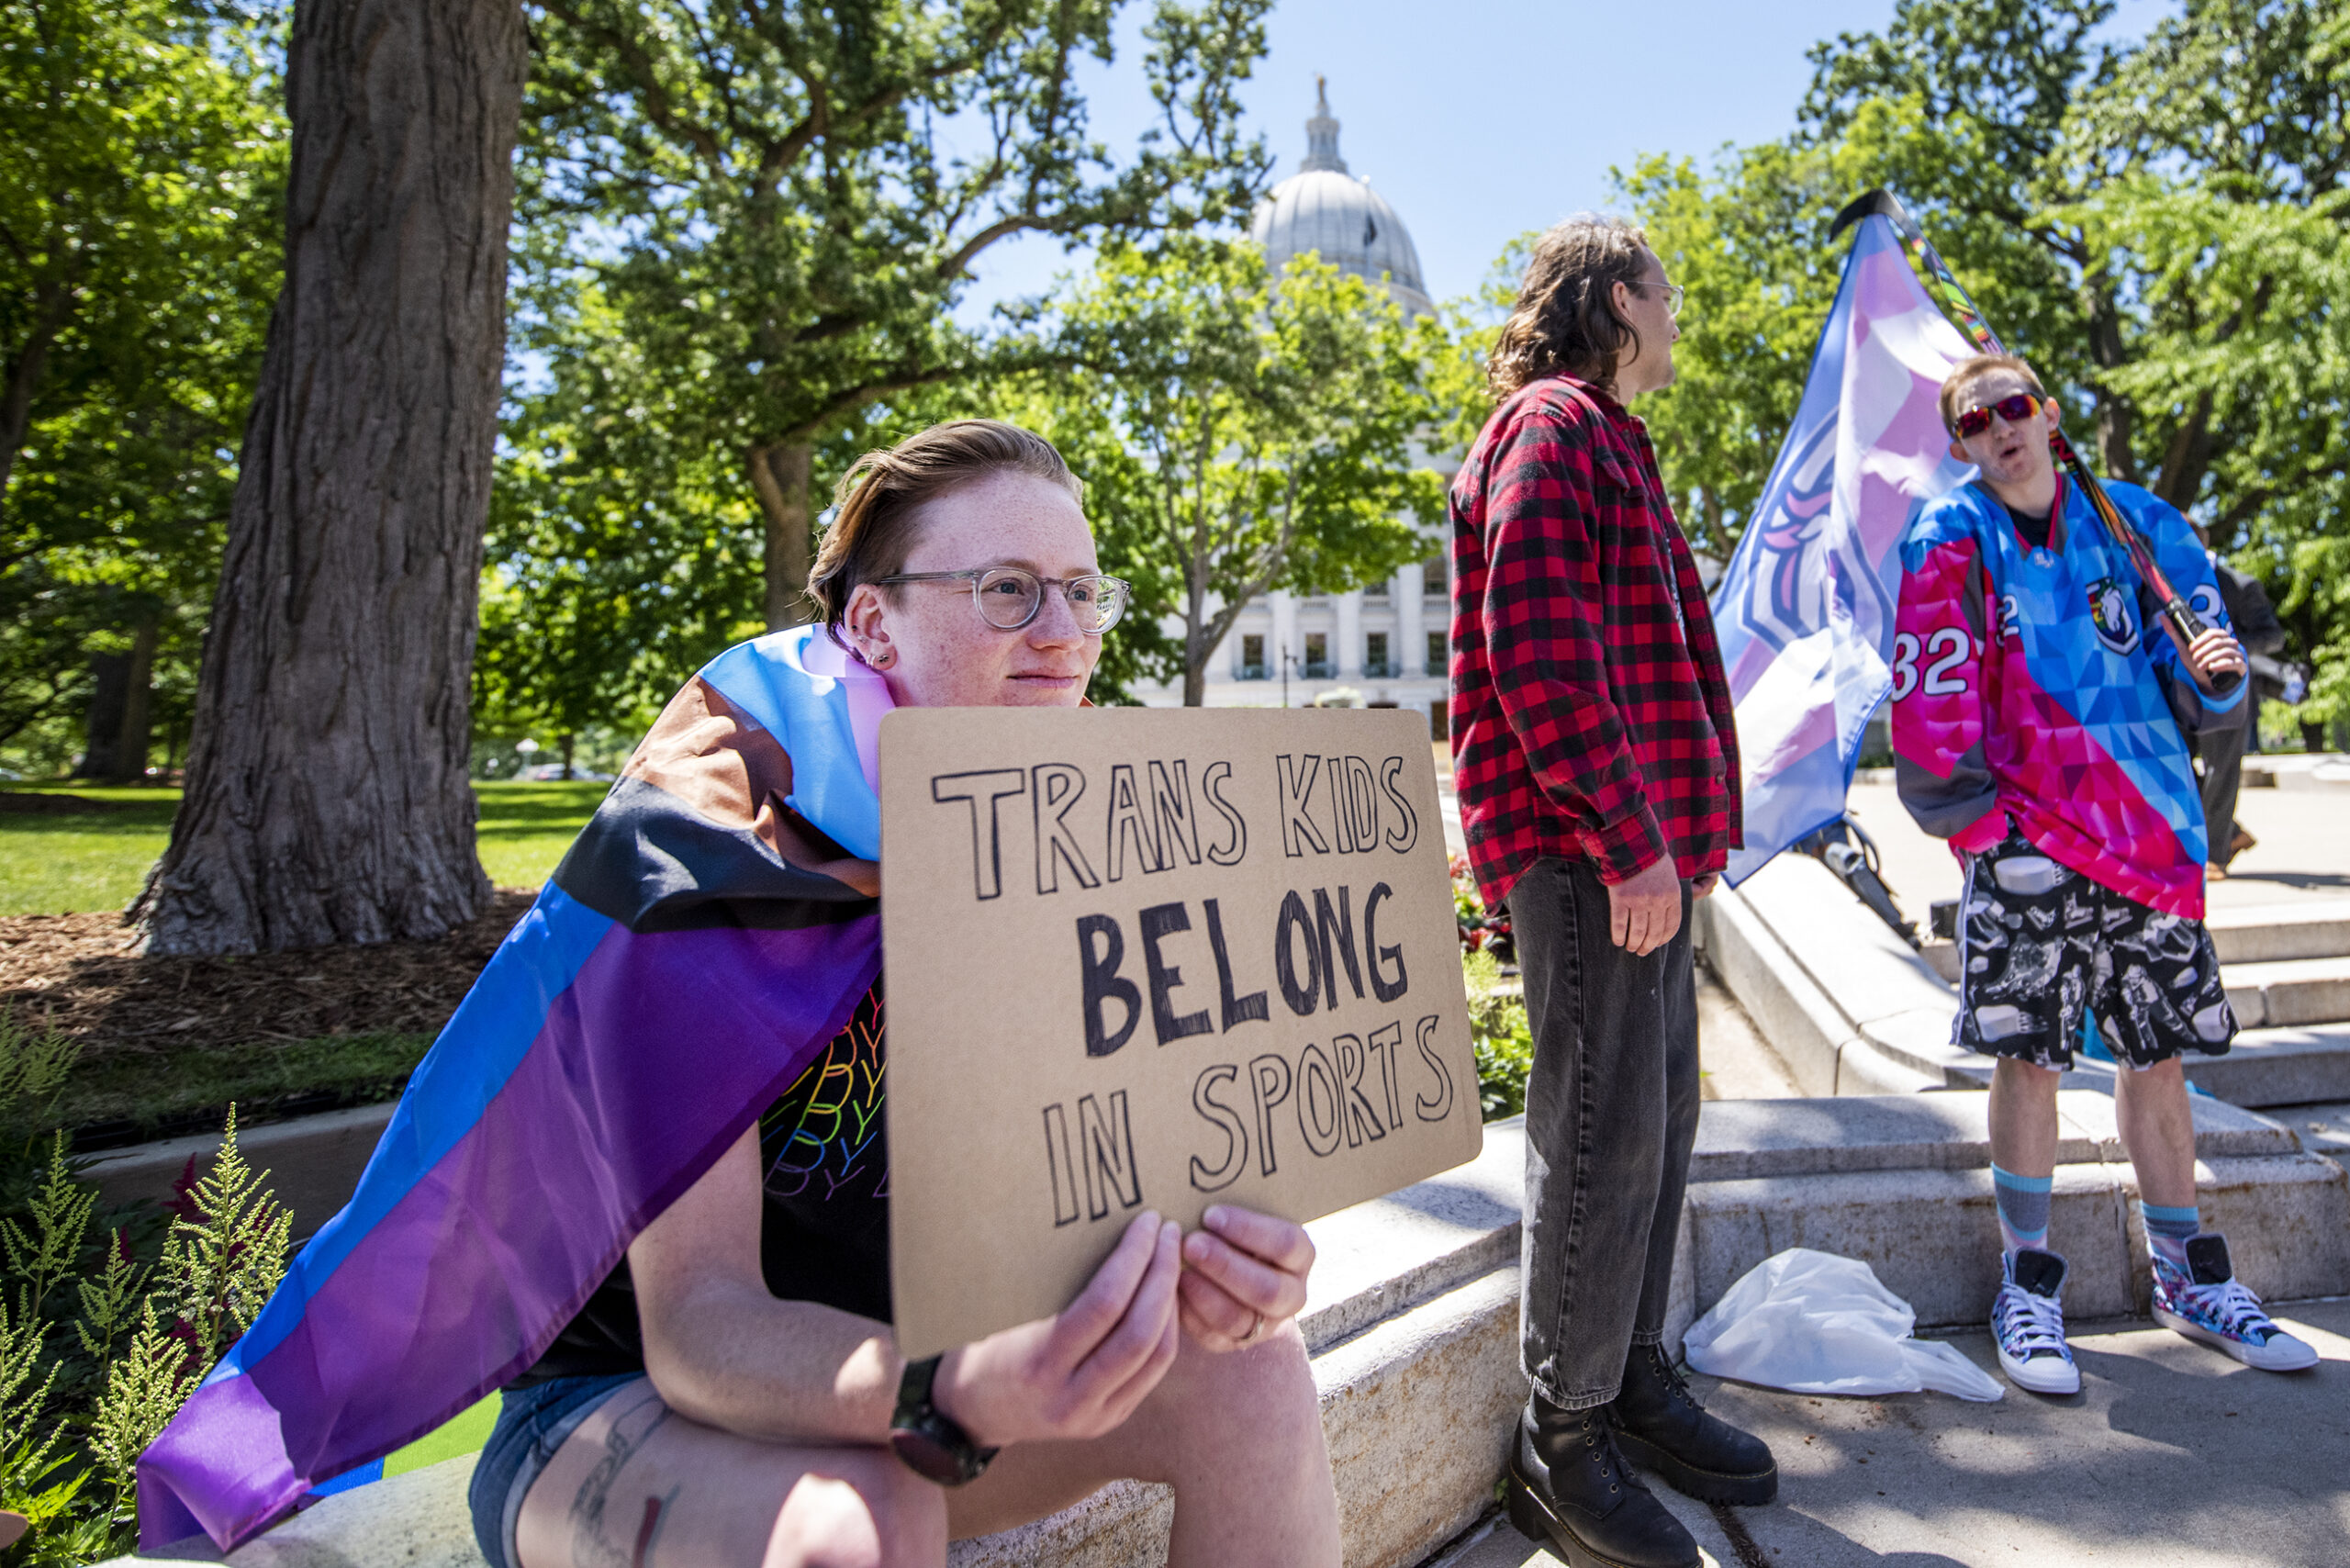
(926, 1438)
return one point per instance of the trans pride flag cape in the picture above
(1805, 612)
(711, 930)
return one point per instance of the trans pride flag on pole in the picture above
(1805, 612)
(711, 930)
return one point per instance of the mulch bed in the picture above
(78, 973)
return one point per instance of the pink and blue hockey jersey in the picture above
(2038, 684)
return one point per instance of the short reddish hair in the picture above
(1967, 372)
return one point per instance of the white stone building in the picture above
(1386, 643)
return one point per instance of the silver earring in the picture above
(881, 660)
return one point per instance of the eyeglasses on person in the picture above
(1673, 295)
(1009, 597)
(2014, 409)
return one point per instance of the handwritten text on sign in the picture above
(1158, 959)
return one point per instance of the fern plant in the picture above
(89, 1375)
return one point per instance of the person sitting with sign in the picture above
(670, 1246)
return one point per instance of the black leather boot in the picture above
(1662, 1427)
(1569, 1491)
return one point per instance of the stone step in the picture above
(1853, 1010)
(2258, 934)
(2279, 1066)
(1413, 1318)
(2322, 1128)
(2288, 991)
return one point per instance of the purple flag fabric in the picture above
(711, 931)
(1805, 612)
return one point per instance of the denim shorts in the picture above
(532, 1424)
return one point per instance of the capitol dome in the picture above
(1324, 208)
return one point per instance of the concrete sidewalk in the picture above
(2171, 1456)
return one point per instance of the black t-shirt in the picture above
(2034, 530)
(823, 1227)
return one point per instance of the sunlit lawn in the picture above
(56, 864)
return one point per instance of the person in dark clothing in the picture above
(2221, 757)
(1598, 766)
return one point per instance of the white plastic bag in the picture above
(1819, 1324)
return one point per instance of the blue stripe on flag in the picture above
(497, 1023)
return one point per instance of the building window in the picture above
(1432, 577)
(1437, 654)
(1252, 657)
(1374, 656)
(1317, 655)
(1375, 590)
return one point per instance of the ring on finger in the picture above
(1254, 1329)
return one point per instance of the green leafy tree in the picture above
(141, 181)
(1241, 430)
(778, 208)
(2156, 226)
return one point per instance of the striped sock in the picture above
(2167, 1230)
(2023, 1209)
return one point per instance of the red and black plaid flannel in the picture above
(1590, 715)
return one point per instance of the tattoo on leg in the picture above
(650, 1530)
(593, 1546)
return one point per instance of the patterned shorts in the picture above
(2039, 943)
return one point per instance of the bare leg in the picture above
(1238, 1436)
(2158, 1129)
(2023, 1118)
(638, 1485)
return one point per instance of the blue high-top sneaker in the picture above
(2207, 1303)
(2028, 1323)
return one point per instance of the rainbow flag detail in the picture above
(1806, 610)
(710, 932)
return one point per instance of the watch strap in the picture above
(928, 1440)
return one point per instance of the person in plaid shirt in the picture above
(1597, 764)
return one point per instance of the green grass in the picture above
(177, 1093)
(525, 828)
(60, 865)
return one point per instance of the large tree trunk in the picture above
(326, 799)
(121, 701)
(782, 475)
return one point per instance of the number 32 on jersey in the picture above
(1945, 651)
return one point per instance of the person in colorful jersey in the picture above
(641, 1183)
(2039, 702)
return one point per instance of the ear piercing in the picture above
(881, 660)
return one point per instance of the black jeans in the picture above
(1611, 1115)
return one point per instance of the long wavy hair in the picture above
(1565, 317)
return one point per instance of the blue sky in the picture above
(1482, 119)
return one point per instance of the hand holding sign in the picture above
(1244, 1274)
(1157, 960)
(1081, 1372)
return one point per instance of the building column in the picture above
(1285, 642)
(1348, 656)
(1411, 625)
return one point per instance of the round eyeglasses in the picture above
(1010, 596)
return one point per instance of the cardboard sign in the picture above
(1141, 959)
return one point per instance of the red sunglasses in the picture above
(2015, 410)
